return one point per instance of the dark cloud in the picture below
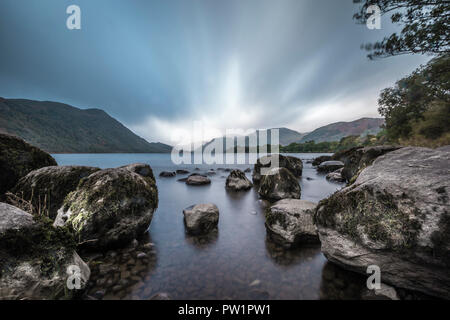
(158, 65)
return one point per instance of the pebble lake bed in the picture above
(236, 261)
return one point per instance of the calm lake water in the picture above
(237, 262)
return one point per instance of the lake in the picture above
(237, 262)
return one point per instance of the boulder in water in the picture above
(237, 181)
(289, 222)
(279, 184)
(201, 218)
(109, 208)
(330, 166)
(395, 215)
(293, 164)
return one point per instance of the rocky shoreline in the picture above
(393, 213)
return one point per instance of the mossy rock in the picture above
(35, 257)
(395, 216)
(279, 184)
(289, 223)
(293, 164)
(109, 208)
(17, 159)
(47, 187)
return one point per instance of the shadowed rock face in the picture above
(17, 159)
(35, 257)
(359, 158)
(201, 218)
(293, 164)
(279, 184)
(47, 187)
(396, 216)
(109, 208)
(237, 181)
(289, 222)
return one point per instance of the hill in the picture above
(60, 128)
(337, 131)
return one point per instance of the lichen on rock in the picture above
(109, 208)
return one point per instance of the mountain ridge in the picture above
(61, 128)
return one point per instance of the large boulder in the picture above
(47, 187)
(279, 184)
(293, 164)
(36, 260)
(17, 159)
(330, 166)
(289, 222)
(237, 181)
(359, 158)
(109, 208)
(201, 218)
(142, 169)
(395, 216)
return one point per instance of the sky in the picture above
(158, 66)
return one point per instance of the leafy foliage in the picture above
(334, 146)
(419, 104)
(425, 26)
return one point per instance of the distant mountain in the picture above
(337, 131)
(60, 128)
(288, 136)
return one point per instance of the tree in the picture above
(426, 26)
(421, 100)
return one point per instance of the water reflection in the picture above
(340, 284)
(123, 273)
(236, 262)
(287, 257)
(202, 241)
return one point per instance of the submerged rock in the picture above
(289, 222)
(36, 259)
(330, 166)
(201, 218)
(394, 216)
(237, 181)
(182, 171)
(317, 161)
(47, 187)
(109, 208)
(167, 174)
(17, 159)
(293, 164)
(279, 184)
(197, 180)
(336, 176)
